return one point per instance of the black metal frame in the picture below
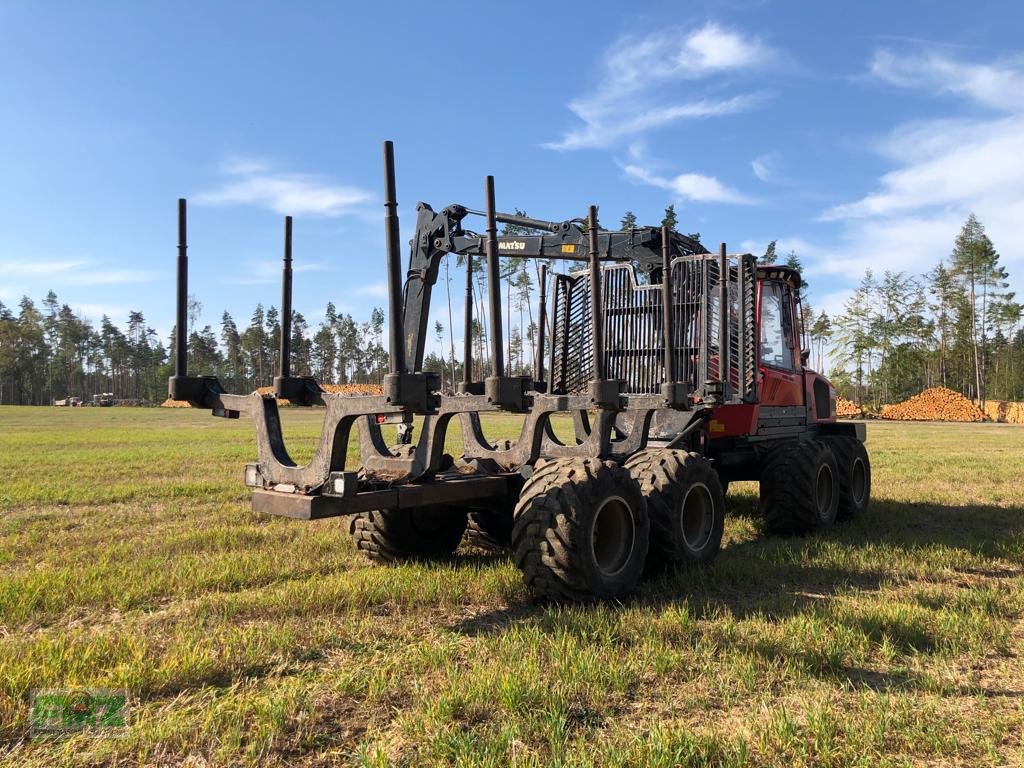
(420, 473)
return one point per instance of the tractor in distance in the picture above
(682, 371)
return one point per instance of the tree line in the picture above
(957, 325)
(49, 352)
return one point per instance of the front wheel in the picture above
(854, 476)
(800, 488)
(581, 531)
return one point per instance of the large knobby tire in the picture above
(686, 506)
(489, 525)
(581, 531)
(394, 535)
(800, 488)
(854, 476)
(489, 529)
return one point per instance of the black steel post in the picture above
(494, 283)
(467, 340)
(396, 342)
(284, 363)
(542, 323)
(181, 329)
(723, 319)
(666, 306)
(596, 319)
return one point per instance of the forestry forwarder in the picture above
(673, 394)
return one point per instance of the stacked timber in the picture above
(341, 389)
(935, 404)
(847, 408)
(1005, 411)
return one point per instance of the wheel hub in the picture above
(858, 487)
(697, 516)
(612, 539)
(824, 489)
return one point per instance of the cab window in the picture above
(776, 325)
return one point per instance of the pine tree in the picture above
(628, 221)
(975, 265)
(670, 220)
(769, 254)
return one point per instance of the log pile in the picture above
(1005, 411)
(847, 408)
(341, 389)
(935, 404)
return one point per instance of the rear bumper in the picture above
(451, 489)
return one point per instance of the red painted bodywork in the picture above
(775, 386)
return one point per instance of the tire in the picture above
(396, 535)
(581, 531)
(800, 488)
(854, 476)
(489, 529)
(686, 506)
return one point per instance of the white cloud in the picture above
(264, 271)
(961, 164)
(766, 167)
(40, 268)
(97, 276)
(694, 187)
(637, 76)
(252, 182)
(999, 85)
(75, 272)
(943, 170)
(378, 290)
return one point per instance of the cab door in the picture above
(778, 351)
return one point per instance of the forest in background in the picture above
(957, 325)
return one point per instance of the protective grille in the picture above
(633, 332)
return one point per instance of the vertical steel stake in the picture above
(494, 282)
(181, 329)
(596, 318)
(467, 341)
(542, 320)
(396, 341)
(284, 363)
(666, 307)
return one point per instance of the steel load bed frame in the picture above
(613, 391)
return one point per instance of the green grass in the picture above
(129, 558)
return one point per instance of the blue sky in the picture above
(860, 137)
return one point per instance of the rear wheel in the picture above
(685, 503)
(394, 535)
(581, 531)
(800, 488)
(854, 476)
(489, 529)
(489, 525)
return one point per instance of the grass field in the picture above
(129, 558)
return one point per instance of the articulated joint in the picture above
(414, 391)
(200, 392)
(510, 393)
(298, 390)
